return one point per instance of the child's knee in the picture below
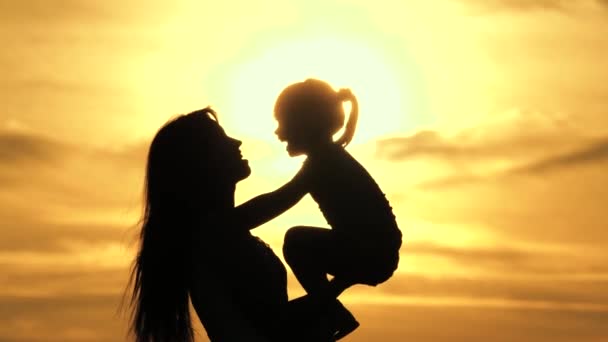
(292, 243)
(295, 236)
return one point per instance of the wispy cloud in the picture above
(529, 177)
(55, 193)
(38, 11)
(445, 323)
(513, 261)
(19, 147)
(510, 143)
(31, 159)
(531, 289)
(592, 153)
(530, 5)
(58, 13)
(67, 317)
(42, 237)
(521, 4)
(514, 134)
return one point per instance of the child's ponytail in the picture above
(345, 94)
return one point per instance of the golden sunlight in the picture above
(342, 62)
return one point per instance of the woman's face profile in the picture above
(228, 157)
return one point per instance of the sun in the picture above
(256, 83)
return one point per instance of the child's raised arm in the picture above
(264, 208)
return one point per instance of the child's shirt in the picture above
(349, 198)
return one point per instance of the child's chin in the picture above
(294, 153)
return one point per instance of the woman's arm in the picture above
(266, 207)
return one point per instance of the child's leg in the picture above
(338, 284)
(308, 252)
(312, 253)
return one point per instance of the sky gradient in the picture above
(484, 121)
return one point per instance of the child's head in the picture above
(310, 113)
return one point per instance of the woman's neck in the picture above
(218, 199)
(225, 197)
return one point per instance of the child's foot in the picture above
(345, 322)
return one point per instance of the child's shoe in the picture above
(345, 322)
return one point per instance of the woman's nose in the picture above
(235, 142)
(238, 143)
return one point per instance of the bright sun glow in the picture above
(341, 62)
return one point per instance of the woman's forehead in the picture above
(215, 134)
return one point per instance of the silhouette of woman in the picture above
(363, 245)
(190, 250)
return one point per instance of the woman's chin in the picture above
(244, 170)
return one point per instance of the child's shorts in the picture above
(366, 261)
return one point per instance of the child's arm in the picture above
(266, 207)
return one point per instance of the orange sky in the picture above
(484, 121)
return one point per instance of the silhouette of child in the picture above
(363, 245)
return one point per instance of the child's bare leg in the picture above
(307, 251)
(338, 285)
(311, 253)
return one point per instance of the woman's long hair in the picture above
(174, 177)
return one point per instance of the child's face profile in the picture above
(289, 132)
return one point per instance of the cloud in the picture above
(554, 291)
(40, 236)
(40, 10)
(93, 318)
(526, 275)
(593, 153)
(507, 133)
(511, 142)
(443, 323)
(461, 147)
(54, 193)
(66, 236)
(524, 176)
(66, 317)
(454, 303)
(511, 260)
(40, 165)
(530, 5)
(24, 280)
(423, 143)
(18, 147)
(565, 208)
(41, 13)
(523, 5)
